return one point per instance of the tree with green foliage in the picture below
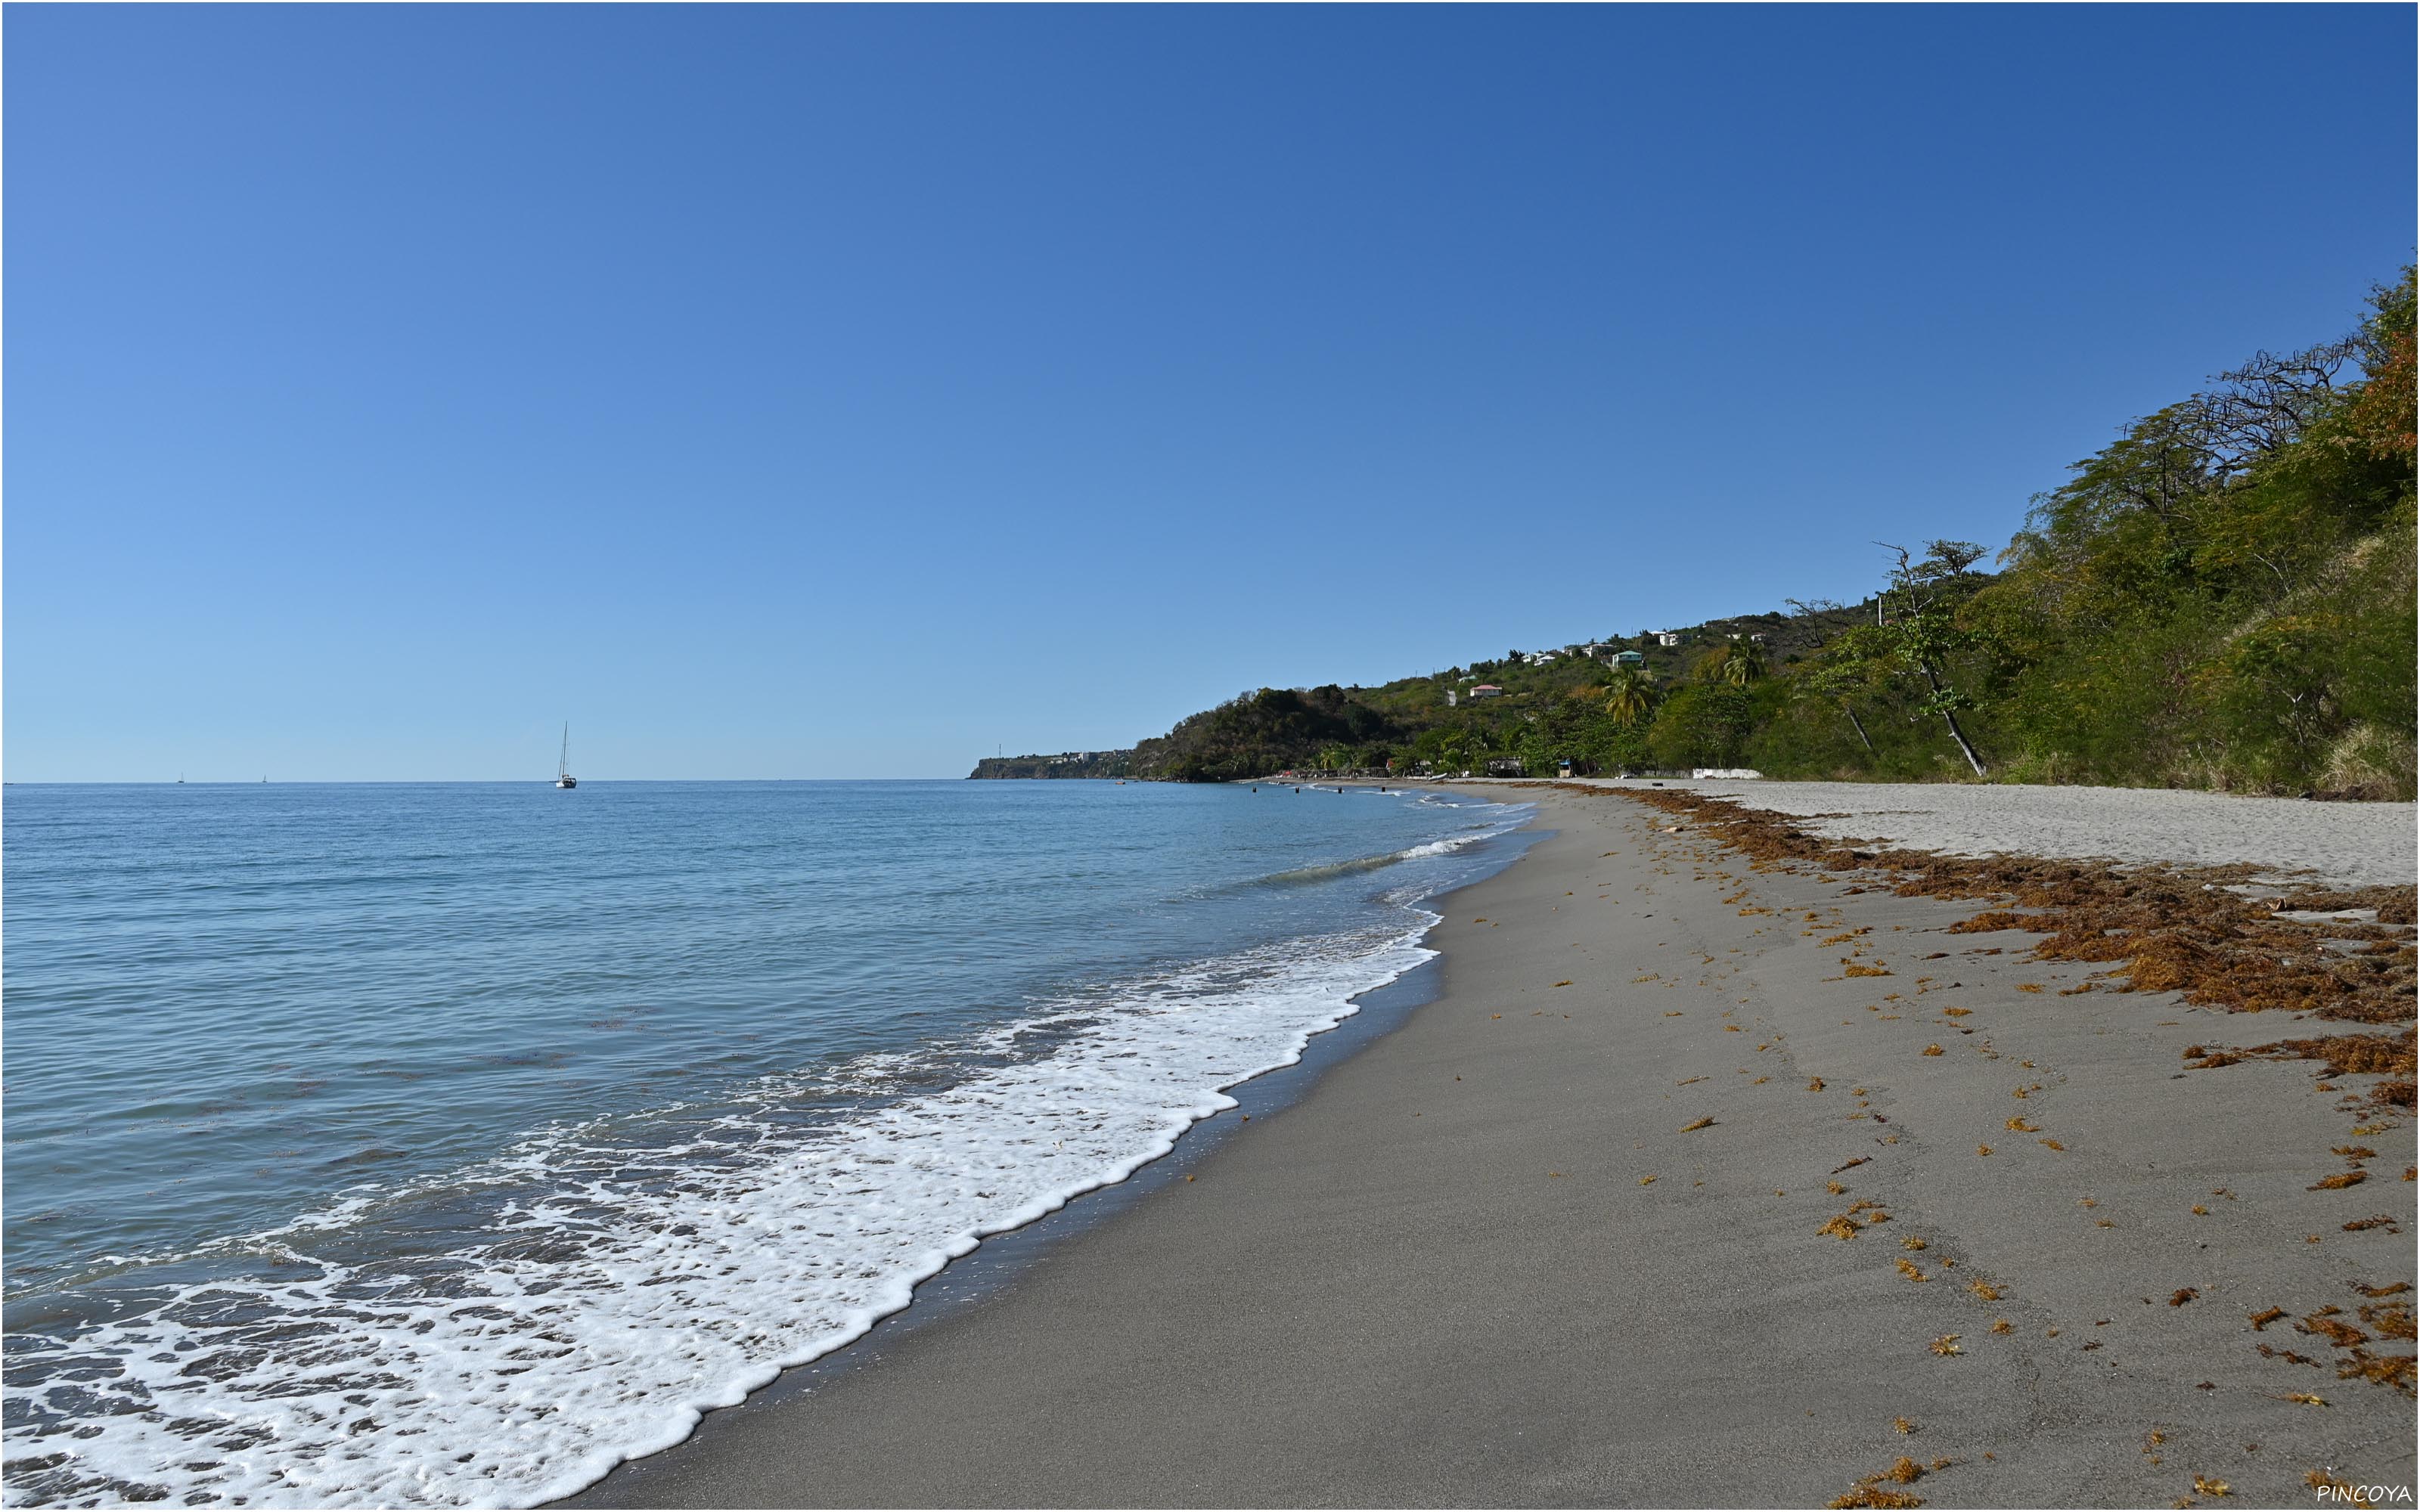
(1451, 751)
(1704, 724)
(1843, 675)
(1629, 694)
(2223, 596)
(1738, 661)
(1920, 632)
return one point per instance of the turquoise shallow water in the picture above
(445, 1144)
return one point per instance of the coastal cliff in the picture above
(1065, 763)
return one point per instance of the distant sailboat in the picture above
(563, 777)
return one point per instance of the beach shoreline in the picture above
(1495, 1255)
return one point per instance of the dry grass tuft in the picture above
(1903, 1425)
(2204, 1486)
(1984, 1289)
(2019, 1125)
(1910, 1269)
(1865, 971)
(2337, 1181)
(1947, 1345)
(2182, 1295)
(2262, 1319)
(1701, 1123)
(1911, 1242)
(1841, 1226)
(2304, 1397)
(1932, 1050)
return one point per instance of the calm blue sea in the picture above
(444, 1145)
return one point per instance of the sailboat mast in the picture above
(563, 763)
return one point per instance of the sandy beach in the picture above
(1699, 1184)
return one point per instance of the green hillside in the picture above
(2221, 598)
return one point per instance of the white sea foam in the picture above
(1446, 846)
(623, 1288)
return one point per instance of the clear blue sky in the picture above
(843, 393)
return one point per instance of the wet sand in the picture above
(1500, 1257)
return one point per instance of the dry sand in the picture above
(2345, 845)
(1445, 1276)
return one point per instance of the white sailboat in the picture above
(563, 777)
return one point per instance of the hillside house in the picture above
(1486, 690)
(1667, 637)
(1630, 659)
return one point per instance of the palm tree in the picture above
(1629, 694)
(1736, 662)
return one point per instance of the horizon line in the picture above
(416, 781)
